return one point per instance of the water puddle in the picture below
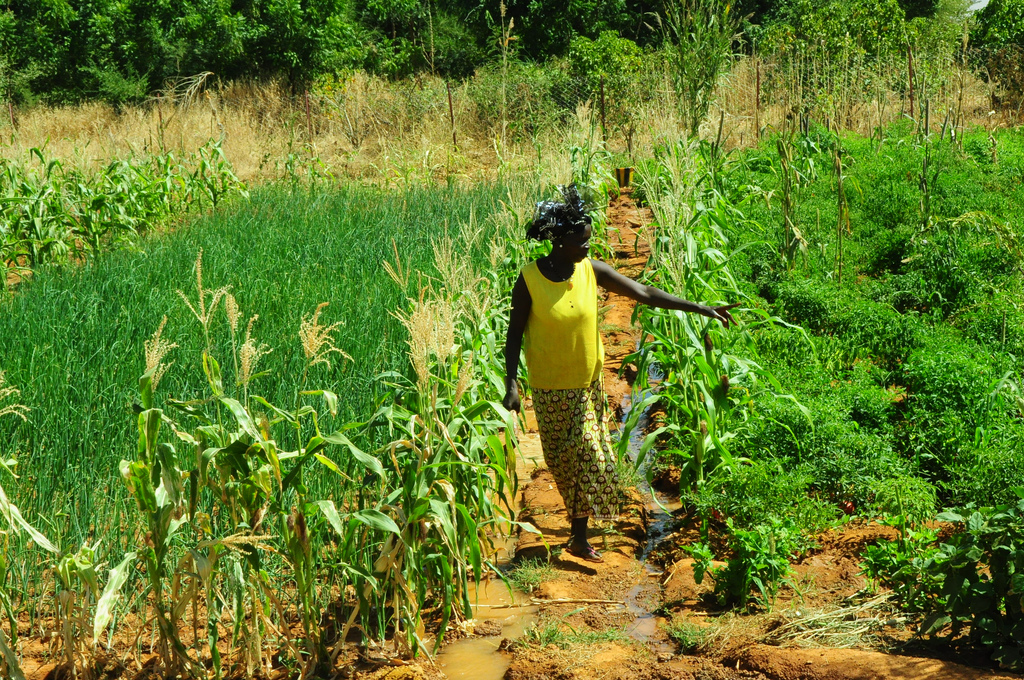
(476, 657)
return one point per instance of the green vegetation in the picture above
(123, 52)
(265, 488)
(887, 374)
(691, 637)
(49, 213)
(529, 574)
(312, 453)
(758, 563)
(562, 635)
(72, 338)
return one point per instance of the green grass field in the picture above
(73, 337)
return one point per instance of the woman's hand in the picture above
(511, 400)
(721, 313)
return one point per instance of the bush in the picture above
(885, 251)
(981, 572)
(988, 472)
(863, 327)
(764, 491)
(528, 103)
(760, 561)
(997, 322)
(911, 498)
(841, 459)
(953, 389)
(1000, 22)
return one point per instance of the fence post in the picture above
(910, 77)
(451, 115)
(309, 120)
(757, 100)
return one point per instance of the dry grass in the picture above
(393, 133)
(851, 625)
(963, 97)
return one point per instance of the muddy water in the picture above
(478, 658)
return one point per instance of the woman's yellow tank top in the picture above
(563, 346)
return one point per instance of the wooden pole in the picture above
(309, 120)
(604, 130)
(451, 115)
(160, 120)
(757, 101)
(910, 78)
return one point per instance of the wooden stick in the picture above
(451, 115)
(604, 130)
(571, 600)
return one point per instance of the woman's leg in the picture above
(579, 532)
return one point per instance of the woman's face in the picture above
(575, 247)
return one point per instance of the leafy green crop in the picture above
(759, 562)
(49, 213)
(981, 571)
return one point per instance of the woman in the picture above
(554, 302)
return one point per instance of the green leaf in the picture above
(934, 623)
(15, 519)
(284, 414)
(242, 416)
(212, 370)
(363, 458)
(333, 518)
(11, 658)
(376, 519)
(330, 397)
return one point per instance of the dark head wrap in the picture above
(555, 219)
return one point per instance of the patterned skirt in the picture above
(578, 449)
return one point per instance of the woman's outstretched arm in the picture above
(521, 302)
(610, 279)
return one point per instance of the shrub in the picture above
(997, 322)
(527, 103)
(988, 472)
(981, 571)
(764, 491)
(886, 249)
(911, 498)
(760, 561)
(884, 332)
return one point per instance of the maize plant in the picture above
(49, 212)
(257, 515)
(792, 241)
(704, 375)
(454, 477)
